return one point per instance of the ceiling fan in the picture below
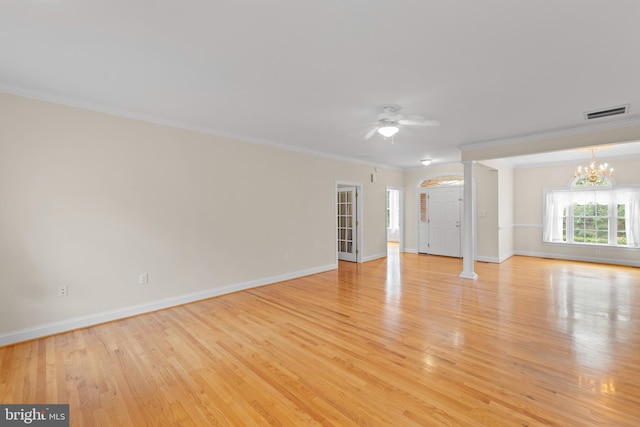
(390, 121)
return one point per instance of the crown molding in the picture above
(85, 105)
(556, 133)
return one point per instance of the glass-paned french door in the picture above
(347, 223)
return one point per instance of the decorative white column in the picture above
(468, 224)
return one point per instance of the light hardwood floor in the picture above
(401, 341)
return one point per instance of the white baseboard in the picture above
(374, 257)
(628, 263)
(503, 258)
(488, 259)
(500, 260)
(411, 250)
(121, 313)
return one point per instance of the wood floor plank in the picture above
(402, 341)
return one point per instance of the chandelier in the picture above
(594, 173)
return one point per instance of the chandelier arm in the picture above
(594, 173)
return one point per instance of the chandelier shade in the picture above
(388, 131)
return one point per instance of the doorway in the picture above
(348, 220)
(394, 218)
(440, 217)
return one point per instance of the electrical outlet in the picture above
(63, 291)
(144, 279)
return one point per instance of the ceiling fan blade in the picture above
(409, 122)
(390, 117)
(371, 133)
(412, 117)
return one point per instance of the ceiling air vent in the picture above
(613, 111)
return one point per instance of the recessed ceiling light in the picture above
(425, 162)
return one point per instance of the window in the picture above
(588, 222)
(593, 216)
(621, 219)
(443, 181)
(393, 208)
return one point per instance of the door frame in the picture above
(417, 207)
(458, 191)
(359, 208)
(400, 216)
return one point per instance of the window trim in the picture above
(609, 184)
(550, 228)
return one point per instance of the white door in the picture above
(444, 220)
(439, 222)
(347, 223)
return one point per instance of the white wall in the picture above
(487, 210)
(91, 201)
(504, 200)
(529, 184)
(506, 211)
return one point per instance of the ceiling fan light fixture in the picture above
(425, 162)
(388, 130)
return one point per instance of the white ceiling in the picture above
(314, 75)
